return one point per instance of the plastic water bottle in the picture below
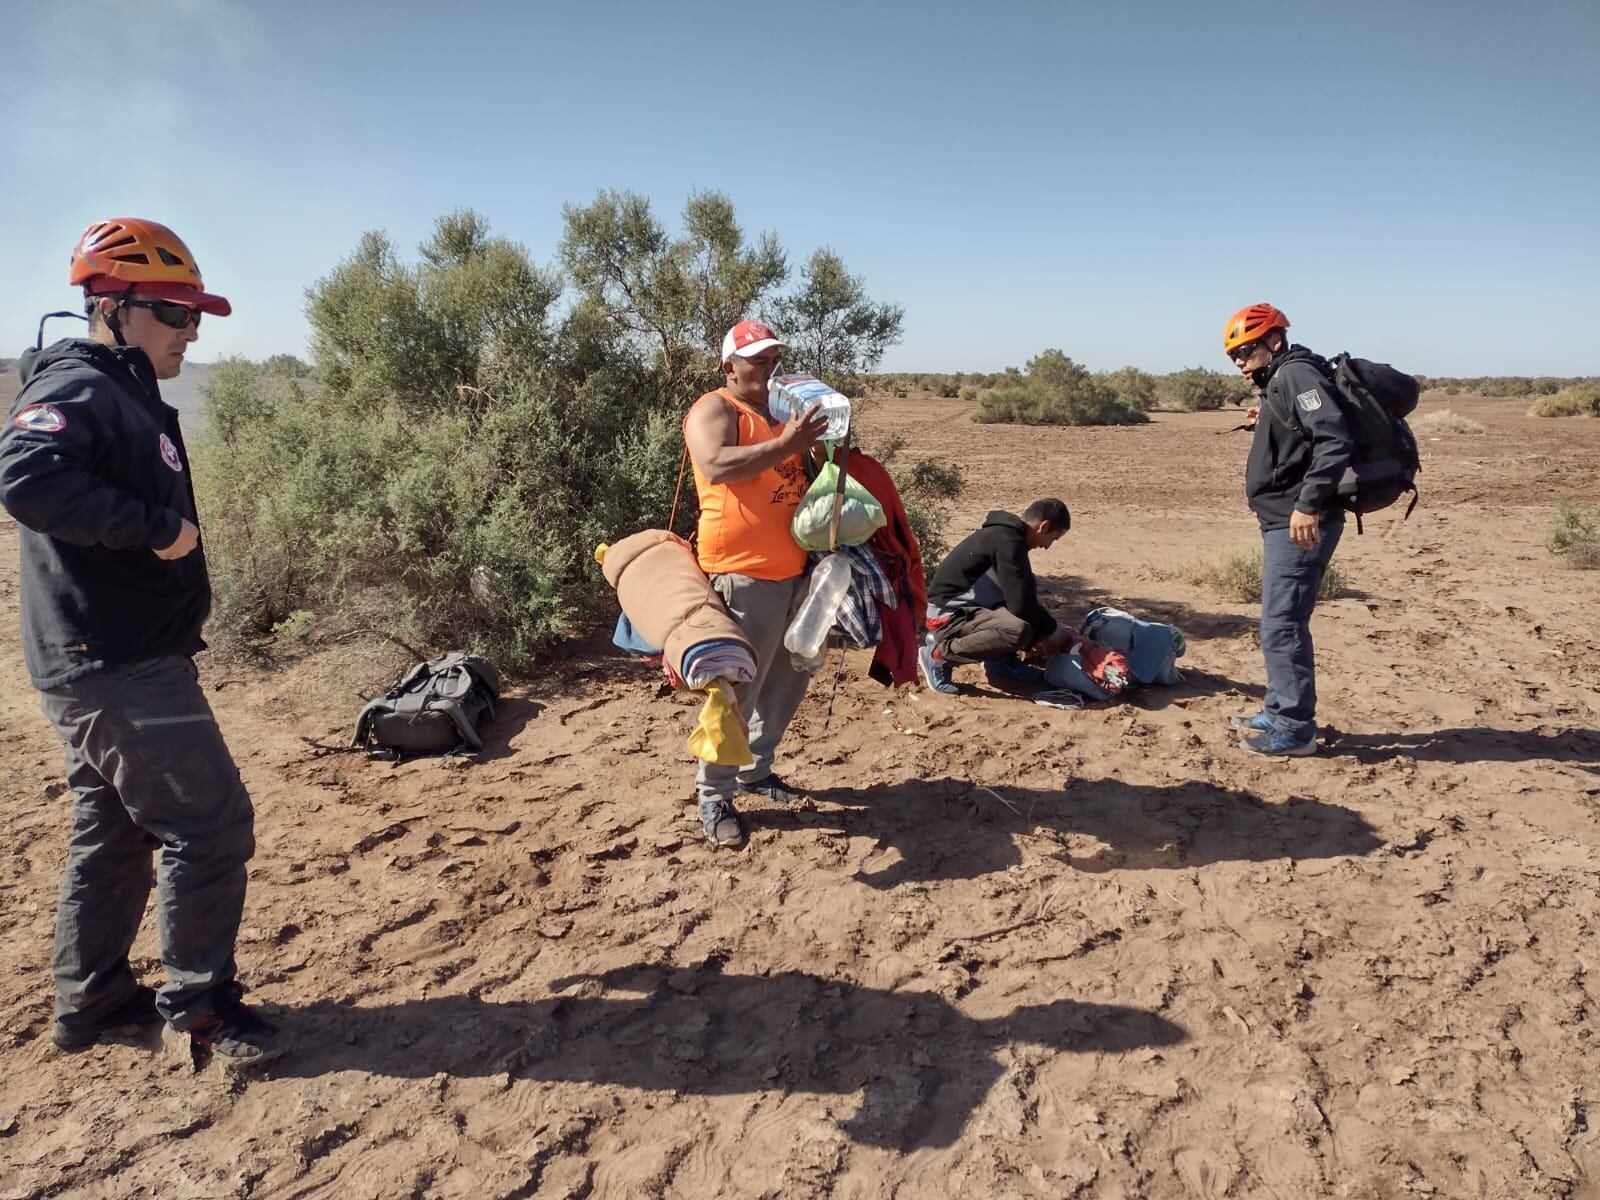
(796, 391)
(808, 632)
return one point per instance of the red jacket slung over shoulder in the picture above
(895, 662)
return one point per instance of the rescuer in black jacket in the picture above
(114, 592)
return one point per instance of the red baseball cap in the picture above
(749, 338)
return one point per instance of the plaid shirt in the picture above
(870, 586)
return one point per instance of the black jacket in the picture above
(1000, 551)
(1302, 444)
(93, 467)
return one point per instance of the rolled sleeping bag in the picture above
(666, 597)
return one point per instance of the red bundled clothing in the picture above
(895, 662)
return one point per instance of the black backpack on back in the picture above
(434, 709)
(1375, 400)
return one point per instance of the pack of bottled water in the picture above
(796, 391)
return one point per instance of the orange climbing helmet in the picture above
(1251, 325)
(126, 254)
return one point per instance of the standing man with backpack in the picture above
(114, 591)
(1302, 449)
(750, 478)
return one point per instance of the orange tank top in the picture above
(744, 526)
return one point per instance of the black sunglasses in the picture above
(177, 316)
(1240, 354)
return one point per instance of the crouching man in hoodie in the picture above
(983, 601)
(114, 591)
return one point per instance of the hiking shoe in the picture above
(1277, 744)
(236, 1034)
(773, 789)
(936, 672)
(135, 1014)
(721, 823)
(1255, 723)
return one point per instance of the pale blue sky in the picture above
(1416, 182)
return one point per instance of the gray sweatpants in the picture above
(974, 635)
(149, 772)
(763, 608)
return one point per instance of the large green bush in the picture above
(473, 429)
(1133, 385)
(1057, 391)
(1196, 389)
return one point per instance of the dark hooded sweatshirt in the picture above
(93, 467)
(998, 551)
(1302, 444)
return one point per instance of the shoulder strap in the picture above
(1284, 422)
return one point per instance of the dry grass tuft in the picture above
(1444, 421)
(1236, 575)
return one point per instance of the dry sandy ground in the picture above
(1005, 951)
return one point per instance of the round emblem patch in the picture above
(169, 454)
(40, 418)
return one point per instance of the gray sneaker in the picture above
(721, 823)
(1254, 723)
(1278, 744)
(235, 1034)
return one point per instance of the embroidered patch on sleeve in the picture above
(40, 418)
(1309, 401)
(169, 454)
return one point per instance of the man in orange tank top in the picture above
(750, 475)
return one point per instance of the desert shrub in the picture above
(1133, 386)
(1236, 575)
(468, 439)
(1444, 421)
(926, 488)
(969, 395)
(1574, 400)
(1576, 536)
(1196, 389)
(1057, 391)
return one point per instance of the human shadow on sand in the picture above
(934, 829)
(923, 1064)
(1150, 698)
(1577, 747)
(1070, 599)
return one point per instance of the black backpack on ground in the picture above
(1375, 399)
(434, 709)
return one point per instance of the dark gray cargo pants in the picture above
(149, 772)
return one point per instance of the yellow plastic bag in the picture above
(720, 737)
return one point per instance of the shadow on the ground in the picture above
(951, 829)
(923, 1064)
(974, 681)
(1070, 600)
(1577, 747)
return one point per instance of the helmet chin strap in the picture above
(1260, 375)
(113, 324)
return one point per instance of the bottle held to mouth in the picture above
(795, 391)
